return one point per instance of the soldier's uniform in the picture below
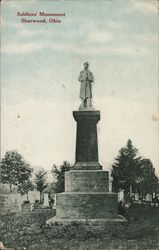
(86, 78)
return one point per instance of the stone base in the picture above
(82, 108)
(86, 205)
(119, 219)
(87, 181)
(86, 197)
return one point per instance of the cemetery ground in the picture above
(28, 230)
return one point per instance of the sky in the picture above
(39, 78)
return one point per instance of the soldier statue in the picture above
(86, 78)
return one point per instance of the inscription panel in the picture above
(86, 181)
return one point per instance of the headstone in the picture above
(31, 197)
(121, 195)
(136, 196)
(149, 197)
(24, 197)
(10, 202)
(46, 200)
(36, 195)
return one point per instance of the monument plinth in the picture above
(86, 193)
(86, 140)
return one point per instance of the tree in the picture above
(14, 169)
(59, 173)
(41, 181)
(133, 173)
(51, 188)
(147, 181)
(25, 187)
(125, 169)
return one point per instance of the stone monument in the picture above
(86, 195)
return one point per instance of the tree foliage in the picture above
(25, 187)
(59, 173)
(147, 181)
(14, 169)
(41, 180)
(130, 170)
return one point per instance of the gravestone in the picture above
(36, 195)
(121, 195)
(46, 200)
(137, 196)
(31, 197)
(10, 202)
(148, 197)
(24, 197)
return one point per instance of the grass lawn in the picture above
(28, 231)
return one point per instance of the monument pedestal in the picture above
(86, 195)
(86, 140)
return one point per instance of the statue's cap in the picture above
(86, 63)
